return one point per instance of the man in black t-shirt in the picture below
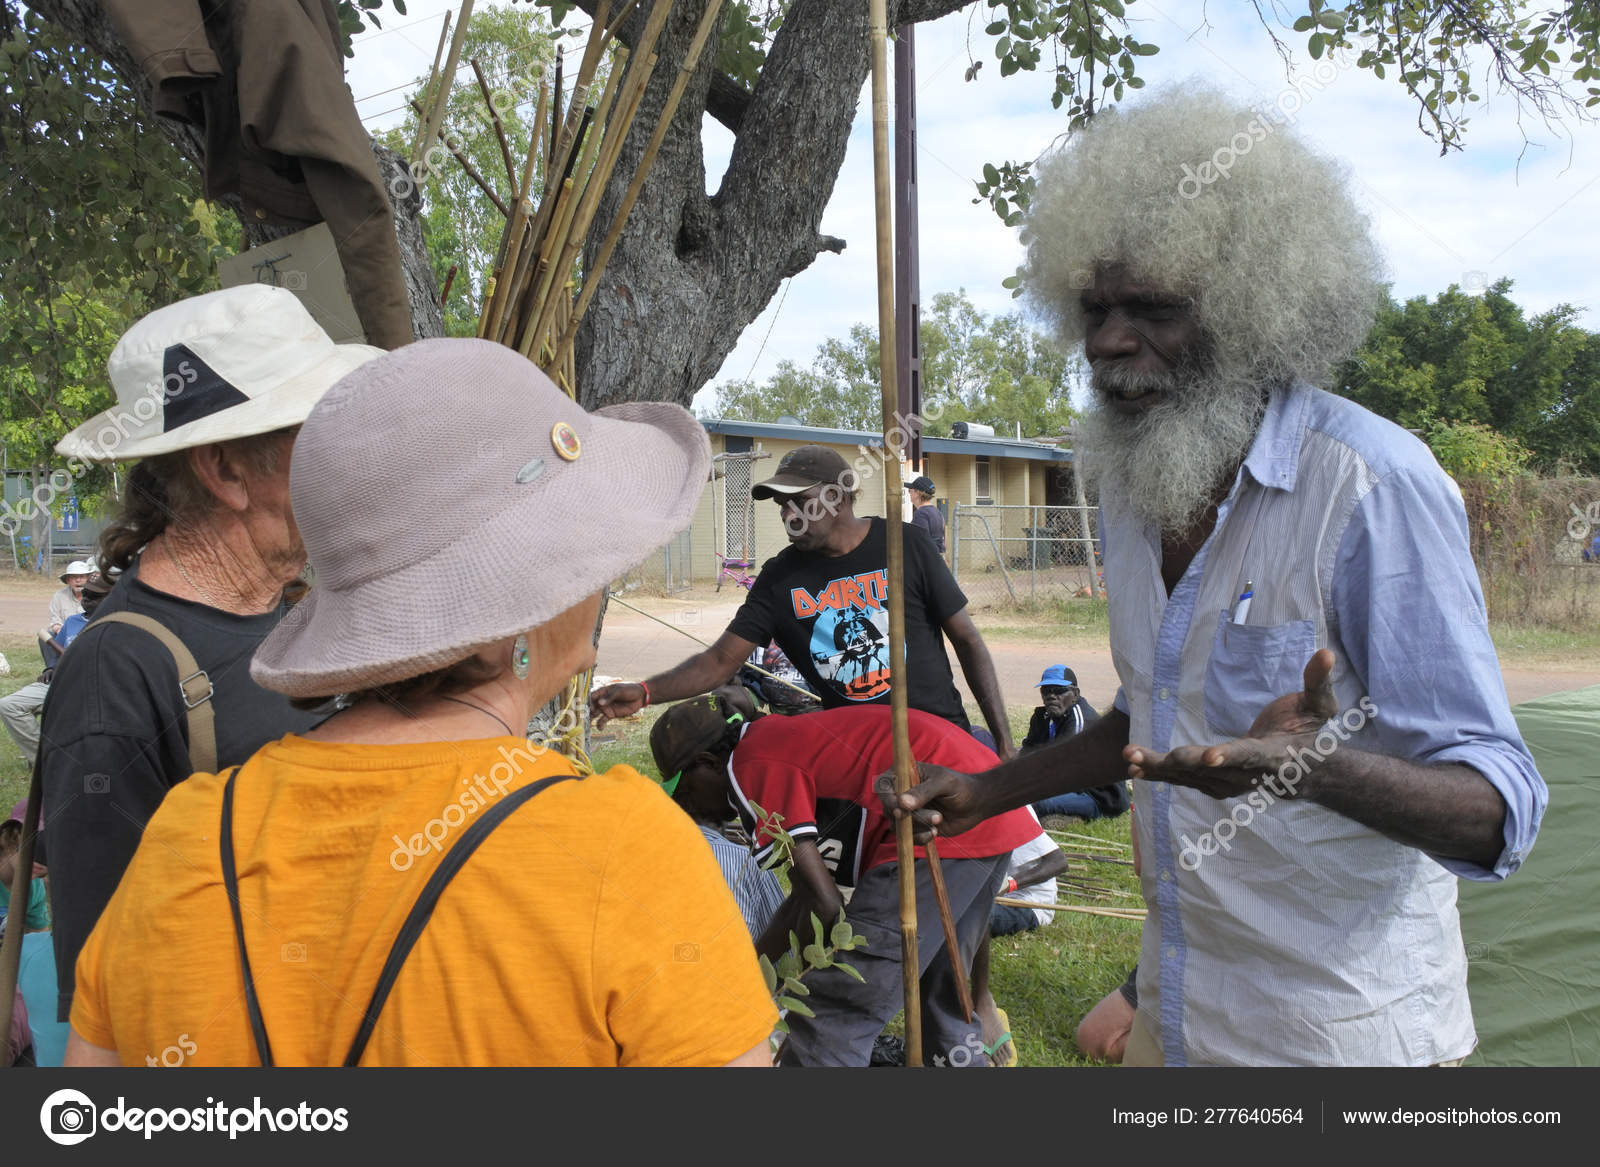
(824, 600)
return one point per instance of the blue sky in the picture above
(1501, 207)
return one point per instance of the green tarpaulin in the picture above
(1533, 942)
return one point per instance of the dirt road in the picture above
(633, 645)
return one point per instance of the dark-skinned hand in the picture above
(1233, 768)
(943, 802)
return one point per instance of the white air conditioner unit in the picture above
(971, 429)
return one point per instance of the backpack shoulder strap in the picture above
(194, 686)
(230, 880)
(454, 859)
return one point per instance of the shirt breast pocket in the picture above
(1250, 666)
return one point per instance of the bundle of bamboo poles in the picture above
(537, 295)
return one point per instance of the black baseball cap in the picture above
(803, 468)
(687, 729)
(924, 484)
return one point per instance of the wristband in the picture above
(646, 689)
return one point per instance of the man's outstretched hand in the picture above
(622, 699)
(1233, 768)
(943, 802)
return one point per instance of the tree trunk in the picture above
(692, 270)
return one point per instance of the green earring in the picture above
(519, 658)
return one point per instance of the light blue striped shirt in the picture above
(1280, 932)
(756, 890)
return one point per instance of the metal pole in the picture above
(907, 261)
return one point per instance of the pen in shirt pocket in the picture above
(1241, 607)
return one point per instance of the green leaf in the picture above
(794, 1006)
(990, 174)
(851, 969)
(1305, 24)
(841, 934)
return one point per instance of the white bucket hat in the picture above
(78, 567)
(229, 364)
(450, 496)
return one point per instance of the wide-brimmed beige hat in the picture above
(229, 364)
(450, 496)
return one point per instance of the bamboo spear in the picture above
(904, 764)
(499, 128)
(435, 118)
(466, 164)
(433, 77)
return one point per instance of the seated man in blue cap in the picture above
(1064, 714)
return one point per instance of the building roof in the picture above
(995, 447)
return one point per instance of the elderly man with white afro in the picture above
(1310, 704)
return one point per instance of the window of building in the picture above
(981, 493)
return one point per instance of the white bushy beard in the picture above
(1167, 462)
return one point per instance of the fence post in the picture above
(955, 541)
(1088, 528)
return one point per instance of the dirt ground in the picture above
(634, 645)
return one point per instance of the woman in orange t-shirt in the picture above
(413, 882)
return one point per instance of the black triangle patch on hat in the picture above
(192, 389)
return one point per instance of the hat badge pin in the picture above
(565, 439)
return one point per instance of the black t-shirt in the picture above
(115, 739)
(931, 521)
(830, 615)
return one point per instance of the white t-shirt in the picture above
(1043, 892)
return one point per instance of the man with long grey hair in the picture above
(1310, 703)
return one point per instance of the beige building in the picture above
(1000, 472)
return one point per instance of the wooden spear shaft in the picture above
(904, 765)
(499, 128)
(466, 164)
(433, 77)
(434, 119)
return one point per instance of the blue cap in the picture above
(1057, 675)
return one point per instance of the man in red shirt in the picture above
(815, 773)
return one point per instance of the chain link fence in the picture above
(1015, 555)
(678, 566)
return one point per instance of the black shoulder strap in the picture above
(230, 880)
(422, 910)
(415, 922)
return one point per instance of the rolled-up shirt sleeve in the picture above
(1412, 622)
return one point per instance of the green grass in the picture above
(1523, 644)
(23, 654)
(1069, 623)
(1045, 980)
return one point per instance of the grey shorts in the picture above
(851, 1013)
